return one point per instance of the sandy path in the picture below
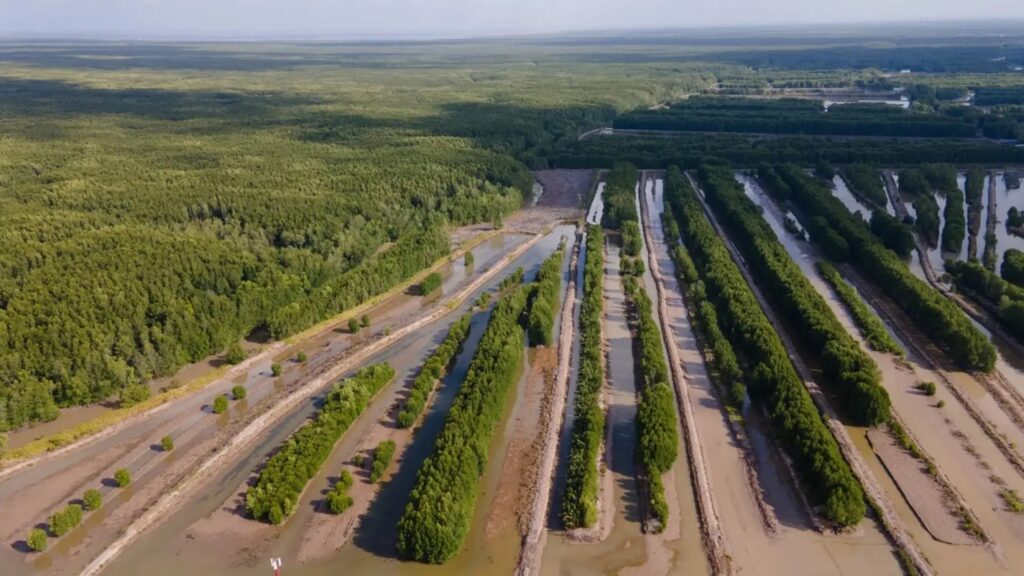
(535, 533)
(169, 500)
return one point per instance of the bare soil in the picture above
(564, 188)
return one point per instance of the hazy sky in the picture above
(453, 17)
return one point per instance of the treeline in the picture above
(942, 179)
(432, 370)
(794, 116)
(865, 181)
(276, 492)
(1006, 299)
(926, 210)
(996, 95)
(620, 196)
(896, 235)
(579, 503)
(377, 275)
(974, 190)
(690, 151)
(849, 372)
(935, 315)
(440, 509)
(656, 423)
(869, 324)
(540, 320)
(771, 378)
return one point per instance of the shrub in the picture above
(276, 491)
(468, 259)
(220, 404)
(927, 387)
(301, 358)
(167, 443)
(239, 392)
(275, 369)
(382, 456)
(431, 283)
(36, 540)
(365, 321)
(133, 394)
(235, 354)
(122, 477)
(338, 499)
(353, 326)
(93, 500)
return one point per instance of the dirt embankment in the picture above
(554, 412)
(169, 500)
(711, 529)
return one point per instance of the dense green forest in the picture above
(159, 210)
(579, 503)
(849, 372)
(1005, 298)
(771, 377)
(540, 321)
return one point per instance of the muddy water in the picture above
(936, 429)
(852, 202)
(389, 313)
(170, 548)
(625, 545)
(597, 206)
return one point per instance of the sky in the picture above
(447, 18)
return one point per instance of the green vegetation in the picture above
(431, 283)
(513, 279)
(167, 444)
(870, 326)
(794, 116)
(432, 370)
(939, 318)
(353, 326)
(364, 321)
(1012, 269)
(928, 388)
(942, 178)
(382, 456)
(122, 477)
(865, 181)
(338, 499)
(235, 353)
(656, 423)
(579, 503)
(468, 259)
(724, 367)
(1005, 299)
(238, 392)
(62, 522)
(440, 509)
(36, 540)
(220, 404)
(914, 185)
(620, 202)
(771, 378)
(540, 320)
(301, 357)
(1012, 500)
(895, 235)
(849, 372)
(93, 500)
(286, 474)
(275, 369)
